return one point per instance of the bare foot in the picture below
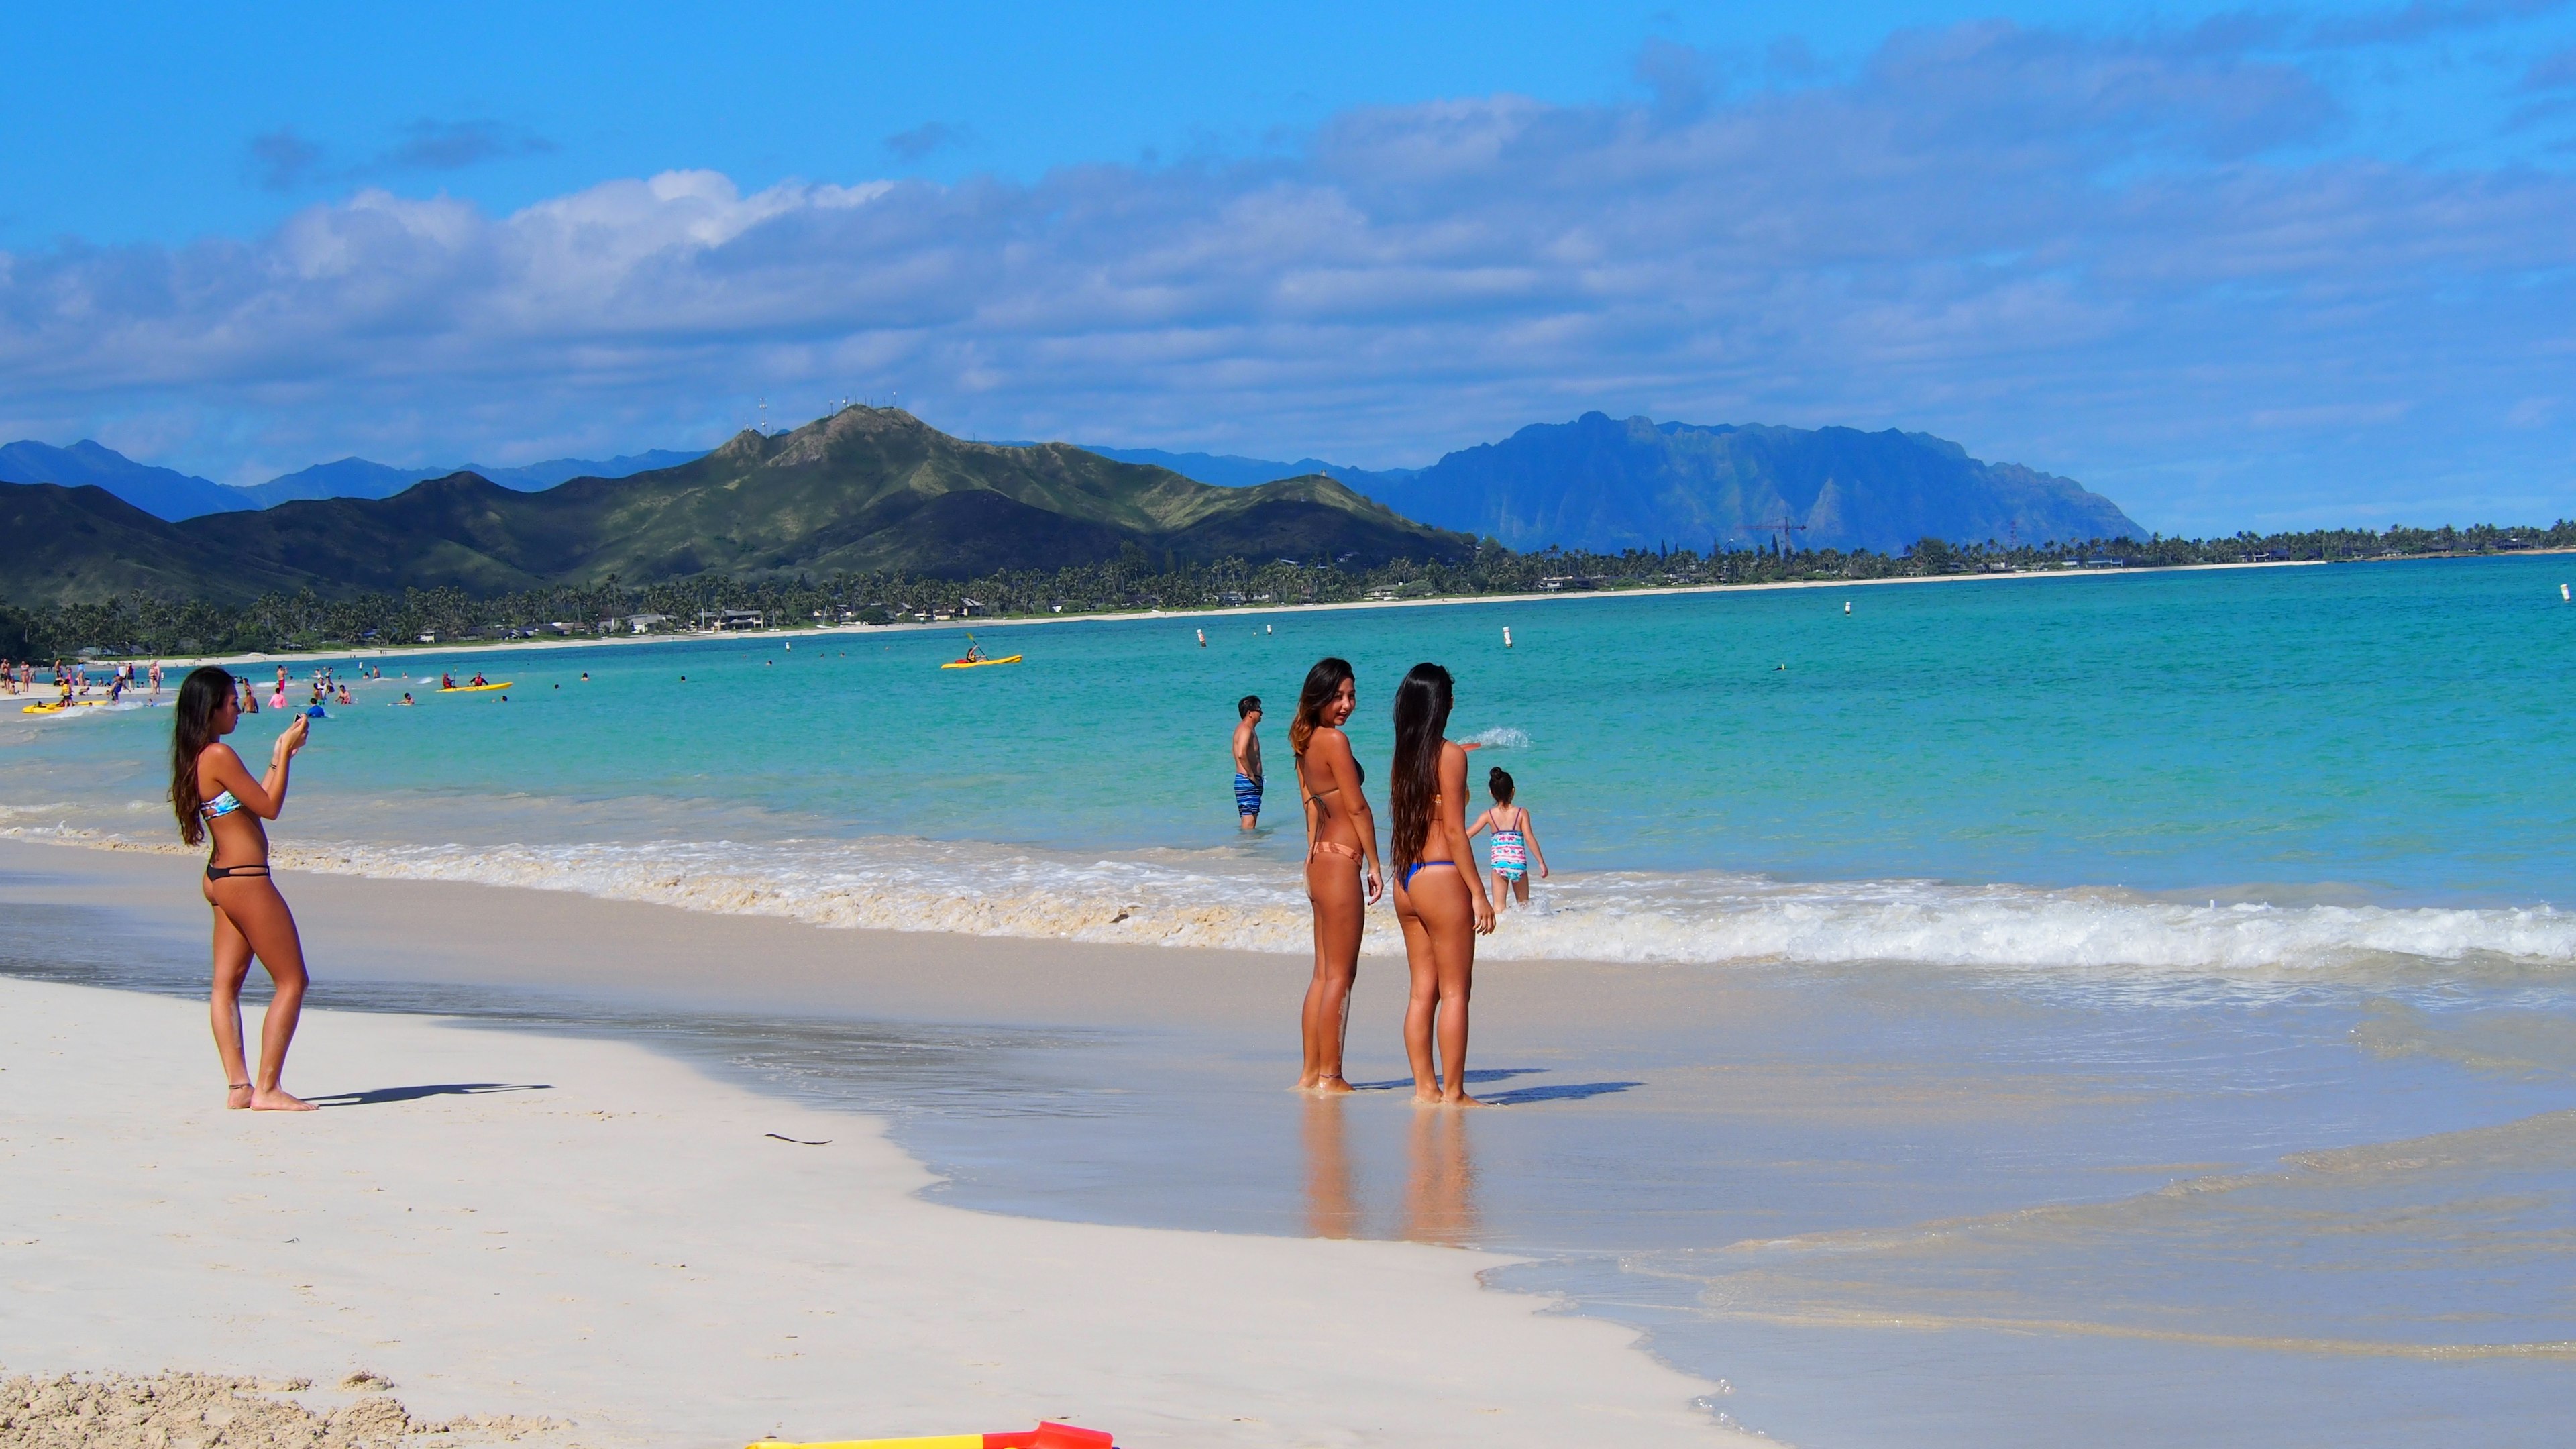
(275, 1099)
(237, 1096)
(1305, 1084)
(1422, 1098)
(1332, 1086)
(1463, 1100)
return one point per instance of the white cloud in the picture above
(2085, 255)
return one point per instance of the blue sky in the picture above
(2235, 267)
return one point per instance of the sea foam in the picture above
(1241, 901)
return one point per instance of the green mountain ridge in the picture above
(866, 488)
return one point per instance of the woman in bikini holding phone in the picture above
(217, 797)
(1341, 834)
(1439, 899)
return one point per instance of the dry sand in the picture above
(601, 1236)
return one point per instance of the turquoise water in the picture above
(2251, 770)
(2116, 1009)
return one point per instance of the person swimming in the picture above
(1515, 841)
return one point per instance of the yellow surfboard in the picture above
(473, 688)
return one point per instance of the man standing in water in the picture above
(1247, 760)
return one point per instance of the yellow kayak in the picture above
(980, 663)
(58, 707)
(474, 688)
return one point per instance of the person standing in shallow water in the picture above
(1439, 898)
(1247, 760)
(217, 798)
(1340, 835)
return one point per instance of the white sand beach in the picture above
(506, 1223)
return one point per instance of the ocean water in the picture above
(2096, 1009)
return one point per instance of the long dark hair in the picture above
(1322, 683)
(1421, 718)
(192, 728)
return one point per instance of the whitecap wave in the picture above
(1500, 737)
(1231, 899)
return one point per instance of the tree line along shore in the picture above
(144, 624)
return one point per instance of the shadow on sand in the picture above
(382, 1095)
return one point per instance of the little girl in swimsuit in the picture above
(1515, 840)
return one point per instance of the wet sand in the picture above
(578, 1228)
(1893, 1210)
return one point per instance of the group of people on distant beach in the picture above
(1441, 903)
(72, 681)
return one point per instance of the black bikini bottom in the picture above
(223, 872)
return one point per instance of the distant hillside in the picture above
(359, 478)
(169, 494)
(1226, 470)
(161, 492)
(1599, 483)
(864, 489)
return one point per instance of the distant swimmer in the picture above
(585, 676)
(406, 699)
(218, 799)
(1515, 843)
(1247, 760)
(1439, 898)
(1341, 834)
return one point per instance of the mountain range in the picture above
(170, 494)
(1608, 484)
(866, 488)
(871, 488)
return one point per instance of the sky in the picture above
(2236, 267)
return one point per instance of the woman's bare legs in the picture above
(251, 918)
(1438, 915)
(1333, 884)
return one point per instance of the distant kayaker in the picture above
(1247, 760)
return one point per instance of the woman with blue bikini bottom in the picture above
(216, 797)
(1439, 898)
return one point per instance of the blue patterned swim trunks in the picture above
(1247, 795)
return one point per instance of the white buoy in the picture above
(2562, 593)
(1265, 628)
(1846, 606)
(1507, 636)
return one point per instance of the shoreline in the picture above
(601, 1234)
(380, 651)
